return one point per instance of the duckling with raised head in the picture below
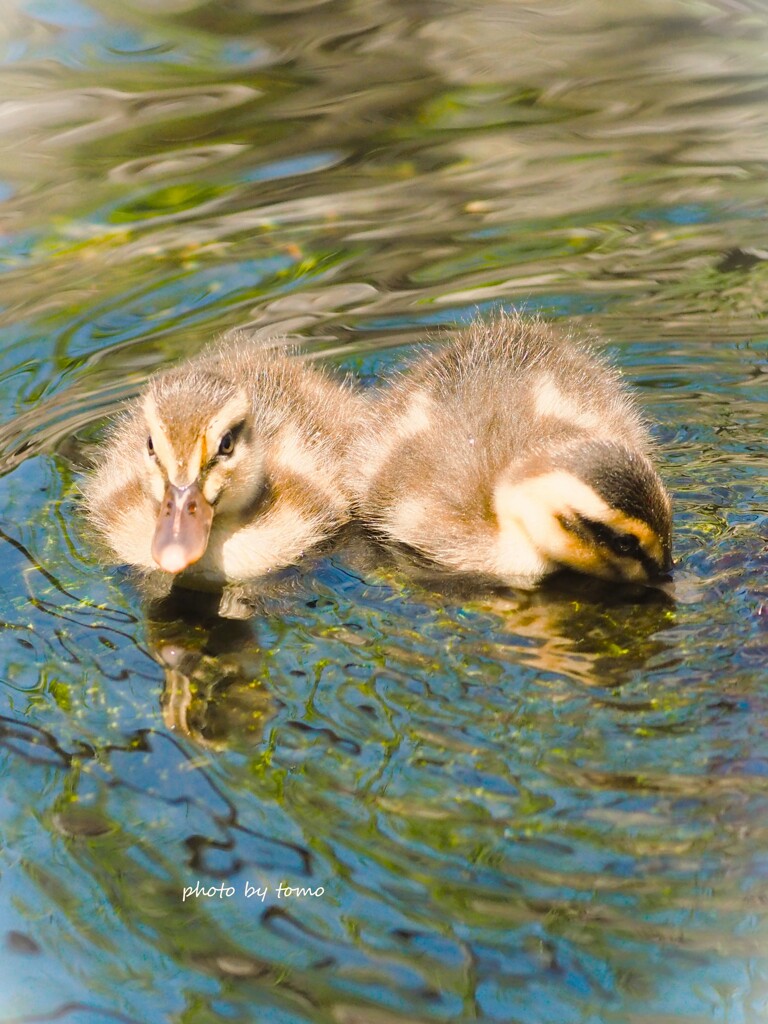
(513, 452)
(225, 467)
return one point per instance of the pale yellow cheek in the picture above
(222, 485)
(212, 487)
(156, 482)
(574, 554)
(233, 486)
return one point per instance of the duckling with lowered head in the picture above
(514, 452)
(226, 466)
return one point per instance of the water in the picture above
(541, 808)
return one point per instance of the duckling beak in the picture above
(183, 526)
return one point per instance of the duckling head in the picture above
(597, 507)
(201, 459)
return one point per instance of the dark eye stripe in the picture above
(624, 545)
(574, 525)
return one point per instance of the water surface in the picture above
(532, 808)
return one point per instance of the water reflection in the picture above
(214, 689)
(587, 630)
(217, 674)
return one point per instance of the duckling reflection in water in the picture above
(226, 467)
(514, 452)
(593, 632)
(215, 689)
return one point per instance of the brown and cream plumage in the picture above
(226, 467)
(514, 451)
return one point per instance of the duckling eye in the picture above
(150, 446)
(627, 545)
(227, 444)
